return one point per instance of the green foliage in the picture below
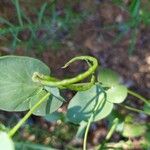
(116, 92)
(108, 77)
(46, 29)
(30, 146)
(139, 15)
(26, 84)
(134, 8)
(146, 141)
(5, 141)
(81, 130)
(129, 128)
(48, 106)
(81, 111)
(147, 108)
(55, 116)
(16, 85)
(133, 130)
(144, 13)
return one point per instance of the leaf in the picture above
(83, 103)
(41, 13)
(147, 108)
(108, 77)
(133, 130)
(119, 127)
(16, 85)
(81, 130)
(55, 92)
(55, 116)
(5, 142)
(117, 94)
(144, 13)
(146, 142)
(135, 7)
(30, 146)
(48, 106)
(120, 116)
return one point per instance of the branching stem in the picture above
(89, 123)
(134, 109)
(86, 132)
(23, 120)
(138, 96)
(69, 83)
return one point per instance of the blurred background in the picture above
(116, 32)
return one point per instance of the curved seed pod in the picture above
(37, 77)
(82, 86)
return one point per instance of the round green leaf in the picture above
(55, 92)
(117, 94)
(55, 116)
(16, 85)
(48, 106)
(108, 77)
(82, 105)
(5, 142)
(133, 130)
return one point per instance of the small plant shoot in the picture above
(26, 84)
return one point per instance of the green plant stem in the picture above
(138, 96)
(18, 12)
(23, 120)
(109, 135)
(113, 128)
(18, 28)
(86, 132)
(41, 13)
(89, 123)
(116, 146)
(133, 109)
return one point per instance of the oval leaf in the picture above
(48, 106)
(5, 142)
(117, 94)
(108, 77)
(83, 103)
(55, 116)
(55, 92)
(133, 130)
(16, 85)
